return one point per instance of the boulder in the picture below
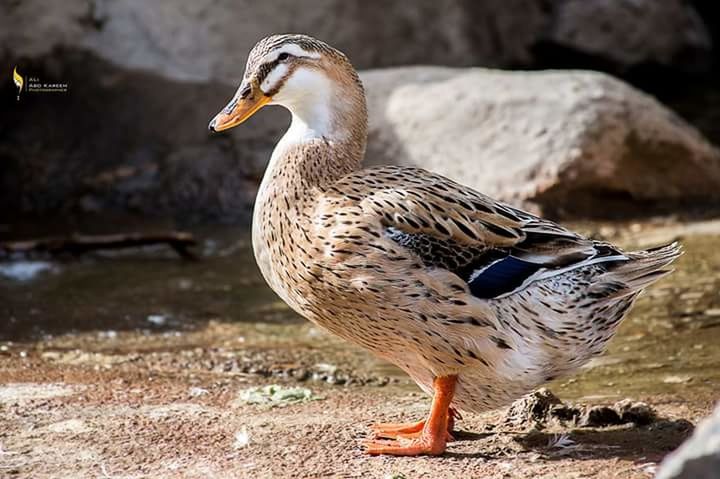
(569, 144)
(627, 33)
(209, 39)
(699, 456)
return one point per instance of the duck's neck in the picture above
(326, 139)
(325, 142)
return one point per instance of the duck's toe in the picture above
(391, 430)
(408, 430)
(418, 446)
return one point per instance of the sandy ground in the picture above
(139, 420)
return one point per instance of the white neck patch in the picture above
(308, 94)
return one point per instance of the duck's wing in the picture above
(495, 248)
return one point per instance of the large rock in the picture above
(202, 40)
(699, 456)
(573, 143)
(209, 40)
(626, 33)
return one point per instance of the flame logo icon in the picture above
(19, 81)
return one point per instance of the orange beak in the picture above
(243, 105)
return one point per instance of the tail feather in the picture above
(638, 272)
(643, 262)
(670, 250)
(637, 283)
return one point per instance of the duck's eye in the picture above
(283, 56)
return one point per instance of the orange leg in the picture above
(433, 435)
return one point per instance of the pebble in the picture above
(157, 319)
(636, 412)
(598, 416)
(242, 438)
(677, 379)
(197, 391)
(691, 295)
(24, 270)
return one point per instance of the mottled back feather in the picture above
(493, 247)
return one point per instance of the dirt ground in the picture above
(149, 416)
(100, 386)
(176, 412)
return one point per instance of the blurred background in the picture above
(144, 78)
(125, 262)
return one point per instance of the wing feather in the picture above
(452, 226)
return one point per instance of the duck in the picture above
(477, 301)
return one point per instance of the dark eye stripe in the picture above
(265, 69)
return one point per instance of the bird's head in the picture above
(314, 81)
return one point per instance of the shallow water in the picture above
(217, 314)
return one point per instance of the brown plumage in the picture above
(477, 301)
